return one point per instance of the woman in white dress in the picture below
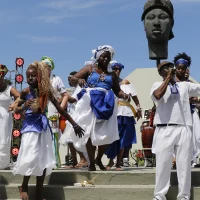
(36, 155)
(6, 120)
(96, 109)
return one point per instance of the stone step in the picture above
(131, 176)
(98, 192)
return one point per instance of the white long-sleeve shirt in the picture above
(174, 106)
(58, 89)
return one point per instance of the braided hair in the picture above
(44, 85)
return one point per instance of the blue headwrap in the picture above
(182, 61)
(116, 64)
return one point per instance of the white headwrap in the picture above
(100, 50)
(48, 62)
(110, 65)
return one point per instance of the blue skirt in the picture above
(127, 134)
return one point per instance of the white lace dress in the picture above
(6, 125)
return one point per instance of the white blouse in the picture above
(126, 110)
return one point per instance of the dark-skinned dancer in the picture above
(173, 134)
(126, 120)
(96, 110)
(36, 155)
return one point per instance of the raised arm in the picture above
(116, 88)
(65, 99)
(81, 76)
(22, 100)
(160, 91)
(78, 130)
(16, 95)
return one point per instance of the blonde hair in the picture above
(44, 85)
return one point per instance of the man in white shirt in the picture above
(60, 94)
(173, 134)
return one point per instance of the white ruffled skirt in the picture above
(196, 135)
(35, 154)
(101, 132)
(6, 125)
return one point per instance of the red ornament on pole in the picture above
(15, 151)
(17, 116)
(16, 133)
(19, 62)
(19, 78)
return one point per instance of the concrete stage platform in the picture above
(130, 184)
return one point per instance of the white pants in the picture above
(169, 140)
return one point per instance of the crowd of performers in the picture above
(100, 120)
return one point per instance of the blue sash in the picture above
(34, 123)
(102, 103)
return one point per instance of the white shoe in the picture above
(194, 164)
(125, 162)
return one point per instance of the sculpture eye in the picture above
(150, 17)
(163, 16)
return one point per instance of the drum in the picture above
(147, 138)
(62, 123)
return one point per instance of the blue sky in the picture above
(67, 31)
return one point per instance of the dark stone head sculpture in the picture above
(158, 17)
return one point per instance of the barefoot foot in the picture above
(100, 164)
(24, 193)
(24, 196)
(110, 164)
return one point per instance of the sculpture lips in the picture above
(157, 31)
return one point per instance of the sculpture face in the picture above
(158, 25)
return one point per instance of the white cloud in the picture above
(125, 7)
(44, 39)
(72, 4)
(61, 9)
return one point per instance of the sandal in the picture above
(81, 165)
(119, 168)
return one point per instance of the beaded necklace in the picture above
(101, 78)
